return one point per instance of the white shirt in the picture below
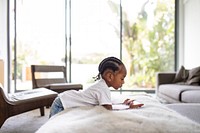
(97, 94)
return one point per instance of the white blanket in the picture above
(153, 117)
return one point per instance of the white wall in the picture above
(191, 33)
(3, 37)
(2, 27)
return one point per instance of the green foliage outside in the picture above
(149, 50)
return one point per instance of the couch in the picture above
(179, 87)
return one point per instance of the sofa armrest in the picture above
(164, 78)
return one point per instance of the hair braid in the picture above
(108, 63)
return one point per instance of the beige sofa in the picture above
(170, 92)
(182, 90)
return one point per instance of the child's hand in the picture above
(128, 102)
(135, 105)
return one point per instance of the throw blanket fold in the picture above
(153, 117)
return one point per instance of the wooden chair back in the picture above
(40, 81)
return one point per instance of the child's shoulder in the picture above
(98, 84)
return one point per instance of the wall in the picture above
(191, 33)
(3, 37)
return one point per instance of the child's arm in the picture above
(107, 106)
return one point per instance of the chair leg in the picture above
(42, 111)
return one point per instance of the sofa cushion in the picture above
(194, 76)
(191, 96)
(181, 75)
(189, 77)
(174, 90)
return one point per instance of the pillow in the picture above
(194, 76)
(181, 75)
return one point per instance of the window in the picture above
(148, 40)
(39, 38)
(140, 32)
(80, 33)
(93, 35)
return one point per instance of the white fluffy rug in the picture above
(153, 117)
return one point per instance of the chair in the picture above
(20, 102)
(52, 77)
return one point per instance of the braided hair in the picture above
(111, 63)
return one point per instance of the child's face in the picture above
(118, 79)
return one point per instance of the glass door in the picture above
(141, 32)
(94, 36)
(148, 40)
(37, 37)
